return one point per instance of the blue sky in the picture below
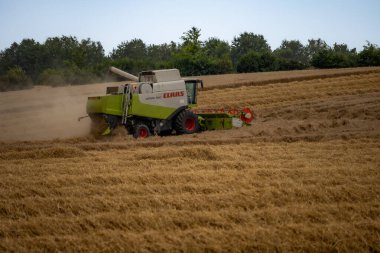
(113, 21)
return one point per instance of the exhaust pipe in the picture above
(124, 74)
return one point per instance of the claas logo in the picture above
(174, 94)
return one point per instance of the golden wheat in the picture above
(305, 177)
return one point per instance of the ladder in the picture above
(126, 100)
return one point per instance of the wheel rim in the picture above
(143, 133)
(190, 124)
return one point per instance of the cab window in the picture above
(191, 90)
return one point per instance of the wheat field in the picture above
(305, 177)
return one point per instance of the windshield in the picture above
(191, 92)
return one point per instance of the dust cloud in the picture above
(45, 113)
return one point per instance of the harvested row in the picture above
(277, 77)
(281, 94)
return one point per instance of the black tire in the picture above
(165, 133)
(186, 122)
(141, 131)
(129, 129)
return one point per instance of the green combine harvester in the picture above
(159, 102)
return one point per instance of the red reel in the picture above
(246, 115)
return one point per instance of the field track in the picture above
(305, 177)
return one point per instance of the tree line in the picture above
(66, 60)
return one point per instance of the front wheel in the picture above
(141, 131)
(186, 122)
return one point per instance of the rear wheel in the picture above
(186, 122)
(141, 131)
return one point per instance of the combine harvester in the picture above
(160, 102)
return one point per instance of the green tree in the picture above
(60, 49)
(28, 55)
(314, 46)
(219, 54)
(292, 55)
(66, 56)
(163, 52)
(14, 79)
(191, 42)
(338, 57)
(190, 60)
(88, 54)
(198, 58)
(247, 42)
(343, 48)
(134, 49)
(256, 62)
(214, 47)
(53, 77)
(370, 55)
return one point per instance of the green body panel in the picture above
(215, 121)
(150, 111)
(111, 104)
